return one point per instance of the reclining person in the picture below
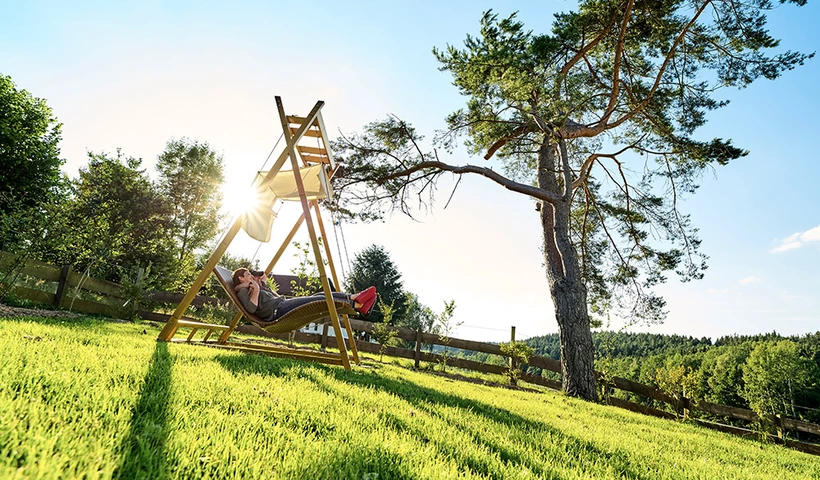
(269, 306)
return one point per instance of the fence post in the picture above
(324, 336)
(61, 286)
(512, 339)
(778, 423)
(140, 273)
(417, 355)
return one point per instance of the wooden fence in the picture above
(680, 407)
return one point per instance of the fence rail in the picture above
(681, 407)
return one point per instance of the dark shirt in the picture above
(268, 302)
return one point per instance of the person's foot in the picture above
(364, 300)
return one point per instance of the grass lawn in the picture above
(92, 399)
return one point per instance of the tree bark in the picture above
(569, 295)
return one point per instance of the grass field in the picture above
(91, 399)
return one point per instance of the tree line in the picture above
(113, 218)
(769, 373)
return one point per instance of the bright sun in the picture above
(237, 198)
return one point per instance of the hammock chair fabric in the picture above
(293, 320)
(259, 220)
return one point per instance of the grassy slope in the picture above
(87, 398)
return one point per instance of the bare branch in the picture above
(522, 130)
(616, 69)
(486, 172)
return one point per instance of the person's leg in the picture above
(289, 304)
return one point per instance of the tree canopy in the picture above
(30, 176)
(190, 176)
(373, 266)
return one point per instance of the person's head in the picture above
(240, 275)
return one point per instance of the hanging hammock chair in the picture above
(293, 320)
(306, 185)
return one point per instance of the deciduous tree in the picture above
(190, 176)
(30, 176)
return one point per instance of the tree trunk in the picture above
(569, 294)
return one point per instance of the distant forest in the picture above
(769, 373)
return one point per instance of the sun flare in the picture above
(238, 198)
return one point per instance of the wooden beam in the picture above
(311, 150)
(345, 318)
(210, 326)
(315, 159)
(171, 326)
(334, 315)
(285, 244)
(308, 133)
(299, 120)
(227, 333)
(323, 130)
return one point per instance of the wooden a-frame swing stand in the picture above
(294, 128)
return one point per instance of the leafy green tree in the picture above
(444, 327)
(116, 221)
(417, 316)
(190, 176)
(307, 274)
(519, 353)
(382, 332)
(725, 376)
(373, 266)
(30, 177)
(775, 375)
(567, 113)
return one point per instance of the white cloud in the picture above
(749, 280)
(797, 240)
(812, 235)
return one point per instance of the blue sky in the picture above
(134, 75)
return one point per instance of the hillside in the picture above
(82, 397)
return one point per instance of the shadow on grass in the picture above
(579, 453)
(144, 449)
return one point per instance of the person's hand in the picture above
(253, 286)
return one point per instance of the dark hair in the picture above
(239, 272)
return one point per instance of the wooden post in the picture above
(778, 423)
(227, 333)
(345, 318)
(61, 286)
(140, 273)
(324, 336)
(512, 339)
(417, 356)
(285, 244)
(171, 326)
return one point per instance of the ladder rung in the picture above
(312, 150)
(315, 158)
(298, 120)
(308, 133)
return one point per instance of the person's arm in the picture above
(240, 286)
(253, 290)
(248, 299)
